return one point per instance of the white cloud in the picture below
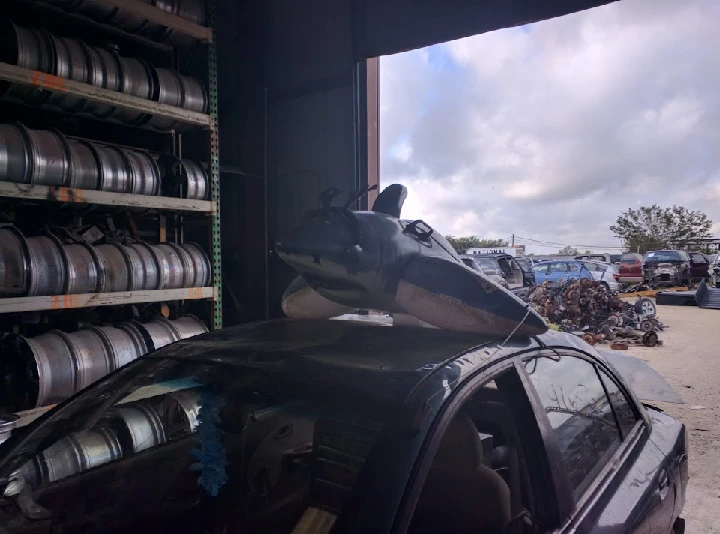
(551, 131)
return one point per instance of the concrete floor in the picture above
(689, 359)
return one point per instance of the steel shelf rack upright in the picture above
(96, 171)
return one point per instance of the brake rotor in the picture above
(650, 339)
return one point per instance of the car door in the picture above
(601, 438)
(593, 269)
(577, 270)
(541, 272)
(699, 266)
(459, 506)
(557, 271)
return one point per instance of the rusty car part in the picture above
(650, 339)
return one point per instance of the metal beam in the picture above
(91, 300)
(102, 198)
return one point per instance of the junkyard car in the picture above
(674, 267)
(353, 427)
(488, 266)
(557, 271)
(605, 273)
(631, 268)
(514, 270)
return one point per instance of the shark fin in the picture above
(390, 201)
(300, 301)
(451, 296)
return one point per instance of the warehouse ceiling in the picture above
(393, 26)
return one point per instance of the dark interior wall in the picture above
(312, 139)
(299, 56)
(241, 34)
(288, 73)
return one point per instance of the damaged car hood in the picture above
(647, 384)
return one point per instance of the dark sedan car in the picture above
(351, 427)
(674, 267)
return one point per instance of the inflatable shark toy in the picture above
(373, 260)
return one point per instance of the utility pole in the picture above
(513, 240)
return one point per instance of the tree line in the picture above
(640, 230)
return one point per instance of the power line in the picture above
(542, 243)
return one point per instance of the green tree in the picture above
(654, 227)
(567, 250)
(461, 244)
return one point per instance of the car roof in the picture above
(476, 256)
(492, 255)
(363, 356)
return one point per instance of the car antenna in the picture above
(357, 195)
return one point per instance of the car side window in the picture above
(590, 266)
(579, 412)
(573, 268)
(558, 267)
(622, 406)
(698, 258)
(539, 268)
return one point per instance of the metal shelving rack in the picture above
(68, 196)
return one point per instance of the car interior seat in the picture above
(505, 458)
(460, 494)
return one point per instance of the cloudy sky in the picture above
(551, 130)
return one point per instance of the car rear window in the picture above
(664, 255)
(629, 258)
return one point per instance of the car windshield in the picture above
(172, 432)
(488, 264)
(663, 255)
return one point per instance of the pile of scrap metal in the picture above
(588, 309)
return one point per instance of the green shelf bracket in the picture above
(217, 320)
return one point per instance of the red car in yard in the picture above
(631, 268)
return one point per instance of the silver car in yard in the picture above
(606, 273)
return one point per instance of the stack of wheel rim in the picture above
(47, 157)
(183, 177)
(49, 368)
(192, 10)
(72, 59)
(43, 265)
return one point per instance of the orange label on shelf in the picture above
(62, 302)
(194, 293)
(65, 194)
(48, 81)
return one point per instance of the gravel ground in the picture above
(689, 359)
